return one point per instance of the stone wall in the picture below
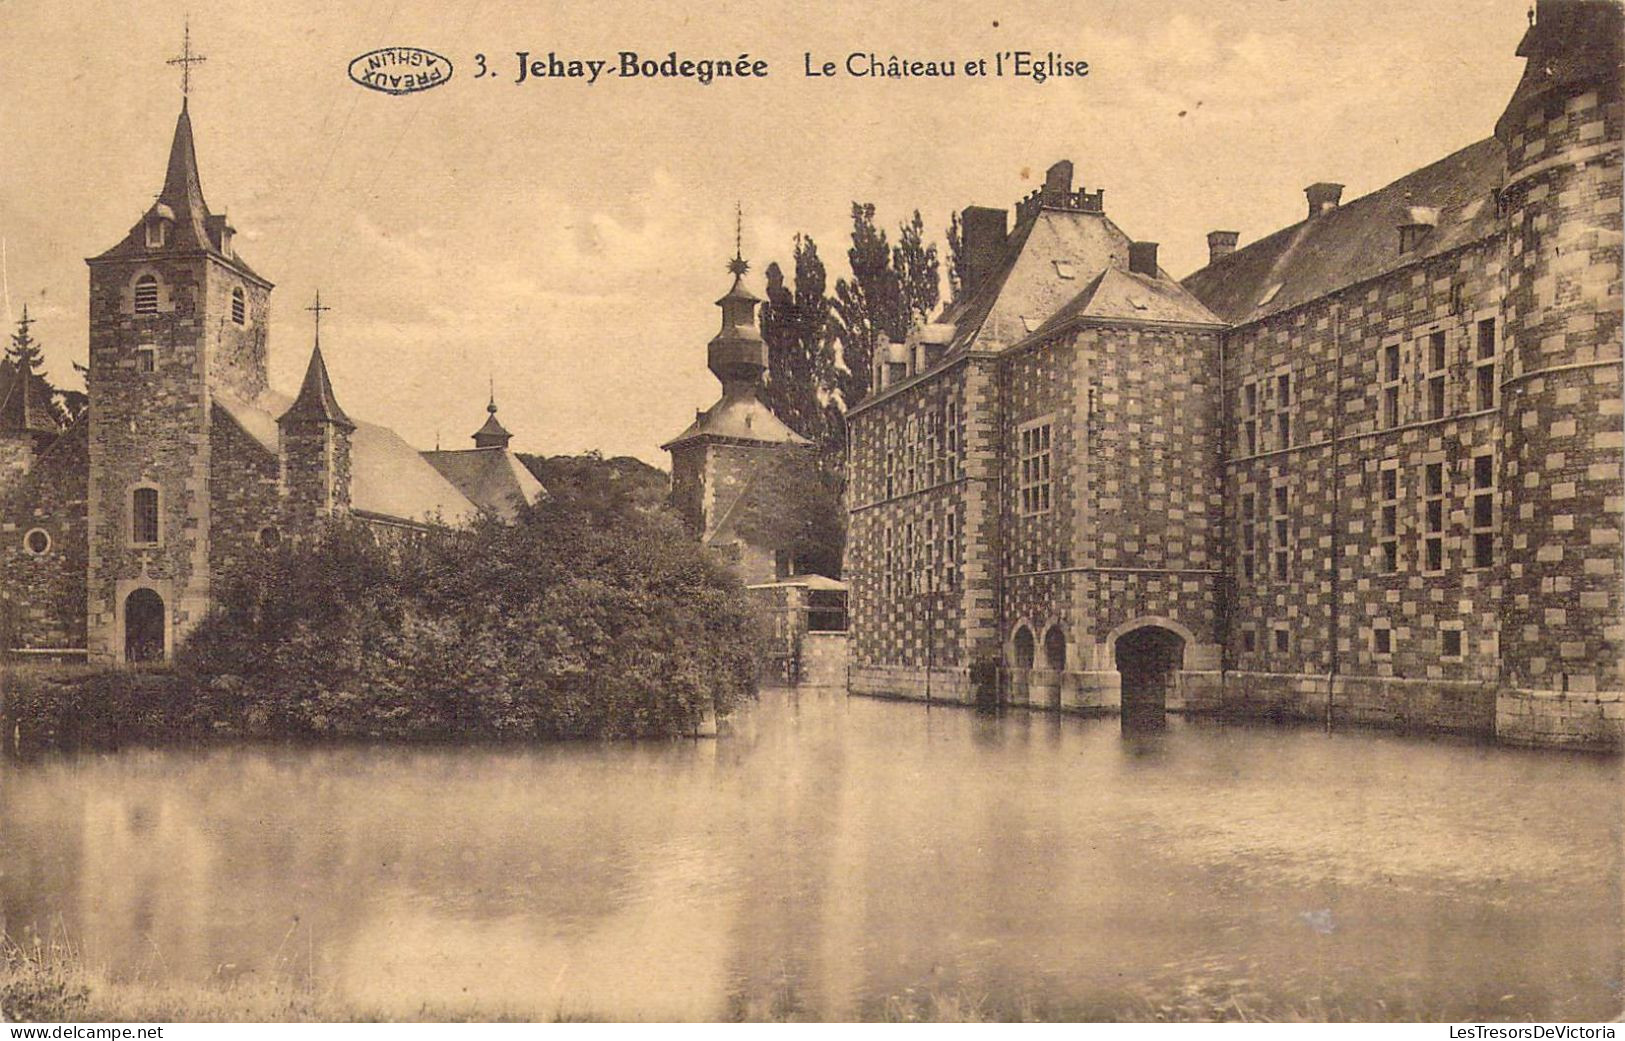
(247, 508)
(46, 591)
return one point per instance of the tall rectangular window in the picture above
(1281, 523)
(1249, 535)
(1034, 475)
(1249, 415)
(950, 437)
(1433, 517)
(1434, 376)
(928, 559)
(1484, 390)
(144, 517)
(1483, 510)
(891, 462)
(1388, 516)
(950, 551)
(911, 449)
(1283, 410)
(1390, 386)
(909, 548)
(889, 574)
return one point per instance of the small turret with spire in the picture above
(492, 434)
(737, 354)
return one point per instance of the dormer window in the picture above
(158, 222)
(239, 306)
(146, 295)
(155, 233)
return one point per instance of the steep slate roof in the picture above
(1025, 288)
(316, 401)
(388, 477)
(1358, 240)
(25, 403)
(1117, 293)
(182, 200)
(491, 478)
(739, 416)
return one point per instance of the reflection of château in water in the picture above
(113, 530)
(1365, 468)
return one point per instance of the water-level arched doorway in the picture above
(143, 626)
(1148, 660)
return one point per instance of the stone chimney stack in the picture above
(1142, 258)
(1323, 197)
(1058, 178)
(983, 231)
(1221, 244)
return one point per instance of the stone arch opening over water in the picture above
(1022, 649)
(1148, 659)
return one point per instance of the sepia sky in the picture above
(568, 240)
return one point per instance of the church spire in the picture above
(737, 355)
(316, 402)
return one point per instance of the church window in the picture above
(37, 542)
(144, 517)
(270, 538)
(1434, 375)
(1483, 510)
(1433, 517)
(146, 295)
(1390, 385)
(1484, 365)
(1388, 516)
(239, 306)
(1035, 468)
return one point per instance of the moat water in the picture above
(845, 858)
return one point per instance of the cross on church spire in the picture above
(317, 310)
(186, 59)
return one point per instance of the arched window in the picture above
(37, 542)
(239, 307)
(270, 538)
(146, 295)
(144, 516)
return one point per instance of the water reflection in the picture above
(827, 856)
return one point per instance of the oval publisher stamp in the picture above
(400, 70)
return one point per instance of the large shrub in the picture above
(589, 616)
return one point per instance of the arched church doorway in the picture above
(1148, 660)
(143, 626)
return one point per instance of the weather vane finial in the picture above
(317, 309)
(738, 264)
(186, 59)
(491, 404)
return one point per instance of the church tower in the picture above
(713, 460)
(1560, 462)
(176, 318)
(314, 445)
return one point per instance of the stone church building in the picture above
(113, 529)
(1367, 468)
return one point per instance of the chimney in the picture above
(1323, 197)
(983, 231)
(1419, 220)
(1220, 244)
(1058, 178)
(1142, 258)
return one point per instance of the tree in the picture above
(956, 257)
(24, 351)
(794, 507)
(795, 325)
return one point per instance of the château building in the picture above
(115, 528)
(1367, 468)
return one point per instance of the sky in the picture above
(567, 241)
